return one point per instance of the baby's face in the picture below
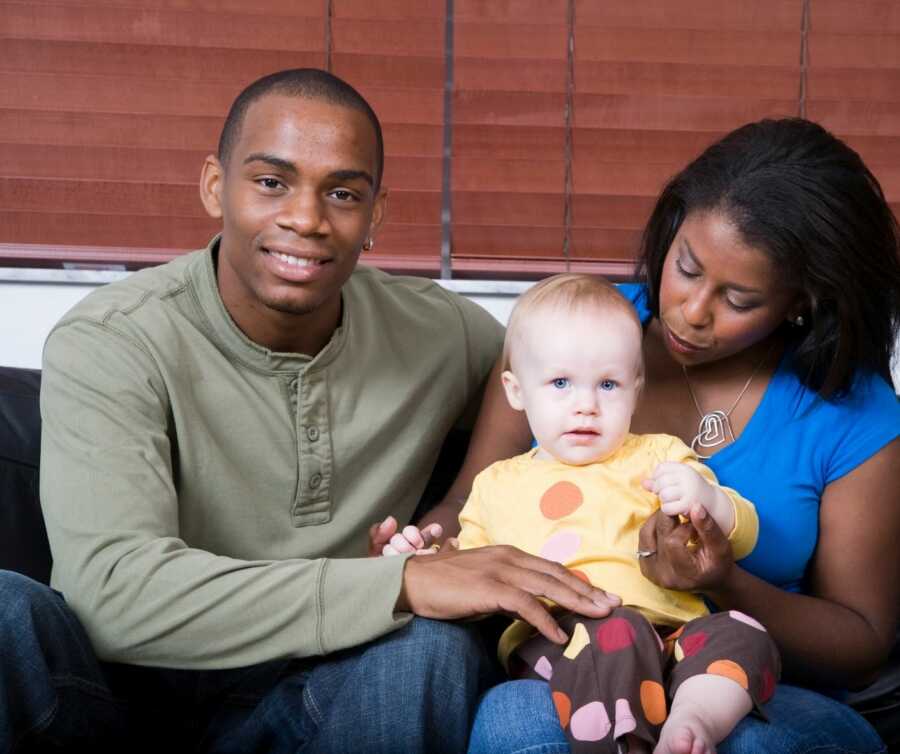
(577, 377)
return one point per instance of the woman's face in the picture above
(718, 296)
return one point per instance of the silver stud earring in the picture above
(368, 244)
(799, 321)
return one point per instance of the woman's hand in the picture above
(694, 556)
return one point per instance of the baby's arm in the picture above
(734, 514)
(680, 487)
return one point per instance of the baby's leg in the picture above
(705, 710)
(726, 664)
(606, 683)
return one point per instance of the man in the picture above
(220, 432)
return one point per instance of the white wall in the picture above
(31, 301)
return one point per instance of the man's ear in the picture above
(379, 210)
(212, 178)
(513, 390)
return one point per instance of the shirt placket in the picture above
(312, 503)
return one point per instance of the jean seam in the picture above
(43, 722)
(314, 710)
(95, 689)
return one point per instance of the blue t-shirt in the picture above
(794, 445)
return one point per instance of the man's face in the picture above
(297, 203)
(577, 376)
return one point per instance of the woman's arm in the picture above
(500, 432)
(844, 629)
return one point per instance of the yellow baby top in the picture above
(588, 518)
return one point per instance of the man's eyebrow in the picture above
(350, 175)
(271, 159)
(290, 167)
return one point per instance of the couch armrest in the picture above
(23, 538)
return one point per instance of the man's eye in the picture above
(269, 183)
(343, 195)
(608, 385)
(560, 383)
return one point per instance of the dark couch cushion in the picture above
(23, 538)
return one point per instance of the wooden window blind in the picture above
(392, 51)
(108, 108)
(562, 118)
(655, 83)
(853, 81)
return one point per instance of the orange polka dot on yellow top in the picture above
(560, 500)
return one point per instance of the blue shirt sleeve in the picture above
(636, 293)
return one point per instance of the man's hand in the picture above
(485, 580)
(384, 539)
(691, 557)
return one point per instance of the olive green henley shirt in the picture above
(207, 500)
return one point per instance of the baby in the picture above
(574, 365)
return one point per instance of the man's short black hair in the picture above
(307, 83)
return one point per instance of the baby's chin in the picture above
(583, 458)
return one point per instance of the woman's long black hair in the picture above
(806, 199)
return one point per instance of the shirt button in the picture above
(315, 481)
(293, 383)
(312, 433)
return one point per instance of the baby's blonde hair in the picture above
(569, 292)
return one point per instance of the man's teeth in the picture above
(294, 261)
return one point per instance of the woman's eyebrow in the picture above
(734, 286)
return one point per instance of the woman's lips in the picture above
(681, 345)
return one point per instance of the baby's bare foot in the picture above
(685, 733)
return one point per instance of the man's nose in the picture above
(304, 214)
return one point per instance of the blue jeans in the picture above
(518, 717)
(414, 690)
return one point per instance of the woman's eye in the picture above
(560, 383)
(684, 271)
(739, 307)
(608, 385)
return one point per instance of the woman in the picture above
(771, 307)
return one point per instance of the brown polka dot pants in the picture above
(616, 676)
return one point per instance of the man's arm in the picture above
(108, 489)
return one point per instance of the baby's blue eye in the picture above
(561, 382)
(607, 385)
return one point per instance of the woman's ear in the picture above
(212, 177)
(513, 390)
(798, 312)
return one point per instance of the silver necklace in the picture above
(715, 426)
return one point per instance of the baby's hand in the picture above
(679, 488)
(384, 539)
